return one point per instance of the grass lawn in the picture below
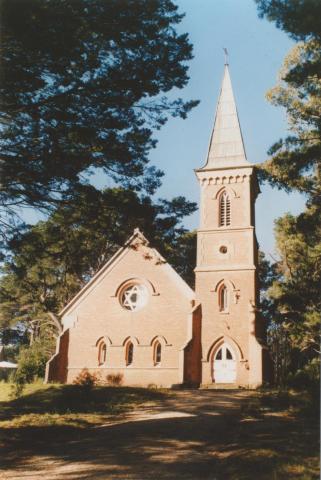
(285, 427)
(69, 405)
(269, 435)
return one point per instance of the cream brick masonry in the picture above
(98, 315)
(138, 318)
(226, 270)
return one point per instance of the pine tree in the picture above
(52, 260)
(83, 85)
(294, 164)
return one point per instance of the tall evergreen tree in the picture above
(53, 259)
(294, 164)
(83, 85)
(297, 292)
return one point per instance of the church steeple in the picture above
(226, 270)
(226, 146)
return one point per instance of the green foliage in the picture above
(52, 260)
(13, 337)
(83, 85)
(32, 363)
(11, 353)
(294, 164)
(296, 294)
(306, 378)
(271, 333)
(281, 351)
(299, 18)
(295, 160)
(42, 405)
(182, 256)
(267, 273)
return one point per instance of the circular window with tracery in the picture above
(134, 297)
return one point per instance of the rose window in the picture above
(134, 297)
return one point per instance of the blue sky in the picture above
(256, 52)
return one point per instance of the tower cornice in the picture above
(228, 176)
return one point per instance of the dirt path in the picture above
(191, 435)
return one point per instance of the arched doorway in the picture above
(224, 365)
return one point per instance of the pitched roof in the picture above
(226, 145)
(139, 237)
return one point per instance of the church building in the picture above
(137, 318)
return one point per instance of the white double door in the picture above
(224, 365)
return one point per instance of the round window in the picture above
(223, 249)
(134, 297)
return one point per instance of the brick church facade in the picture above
(138, 318)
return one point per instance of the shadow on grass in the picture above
(69, 399)
(199, 447)
(234, 444)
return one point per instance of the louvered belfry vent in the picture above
(225, 210)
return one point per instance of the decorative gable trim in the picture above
(134, 242)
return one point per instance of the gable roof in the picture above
(137, 236)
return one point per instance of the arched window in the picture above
(223, 298)
(224, 210)
(157, 353)
(102, 353)
(129, 353)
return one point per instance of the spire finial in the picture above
(226, 56)
(226, 145)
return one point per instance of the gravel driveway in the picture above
(195, 434)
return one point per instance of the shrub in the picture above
(86, 379)
(17, 389)
(115, 379)
(307, 378)
(31, 364)
(11, 353)
(152, 386)
(5, 374)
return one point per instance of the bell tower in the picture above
(227, 254)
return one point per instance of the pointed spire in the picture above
(226, 145)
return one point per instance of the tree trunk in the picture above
(56, 321)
